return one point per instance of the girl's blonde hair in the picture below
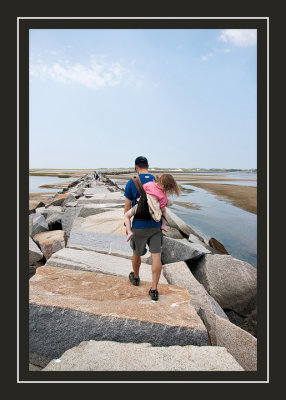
(168, 184)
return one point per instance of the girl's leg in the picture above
(164, 213)
(127, 218)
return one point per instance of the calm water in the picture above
(235, 228)
(36, 181)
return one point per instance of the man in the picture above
(146, 231)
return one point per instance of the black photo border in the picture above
(24, 25)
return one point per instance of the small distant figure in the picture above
(96, 177)
(156, 193)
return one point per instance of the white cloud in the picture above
(95, 75)
(239, 37)
(206, 58)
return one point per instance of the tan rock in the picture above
(113, 356)
(68, 307)
(50, 242)
(107, 222)
(109, 295)
(239, 343)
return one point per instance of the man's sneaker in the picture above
(154, 294)
(135, 281)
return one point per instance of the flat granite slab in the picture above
(106, 243)
(97, 262)
(110, 197)
(95, 190)
(68, 307)
(113, 356)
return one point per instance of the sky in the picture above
(183, 98)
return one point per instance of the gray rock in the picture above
(239, 343)
(195, 239)
(54, 221)
(106, 243)
(34, 368)
(68, 218)
(180, 275)
(95, 190)
(93, 209)
(175, 222)
(231, 282)
(116, 197)
(173, 233)
(32, 271)
(49, 211)
(58, 201)
(35, 253)
(97, 262)
(71, 204)
(113, 356)
(69, 199)
(174, 250)
(37, 224)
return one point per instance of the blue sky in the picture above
(182, 98)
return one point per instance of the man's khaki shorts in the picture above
(150, 236)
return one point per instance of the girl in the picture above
(157, 201)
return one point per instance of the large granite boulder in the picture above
(50, 242)
(114, 356)
(174, 250)
(239, 343)
(37, 224)
(35, 253)
(94, 209)
(97, 262)
(176, 222)
(54, 221)
(68, 218)
(231, 282)
(180, 275)
(116, 197)
(107, 222)
(68, 307)
(58, 200)
(173, 233)
(49, 211)
(105, 243)
(70, 199)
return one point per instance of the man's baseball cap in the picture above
(141, 160)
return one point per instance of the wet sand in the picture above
(244, 197)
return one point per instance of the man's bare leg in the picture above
(156, 269)
(136, 262)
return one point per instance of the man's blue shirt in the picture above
(132, 194)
